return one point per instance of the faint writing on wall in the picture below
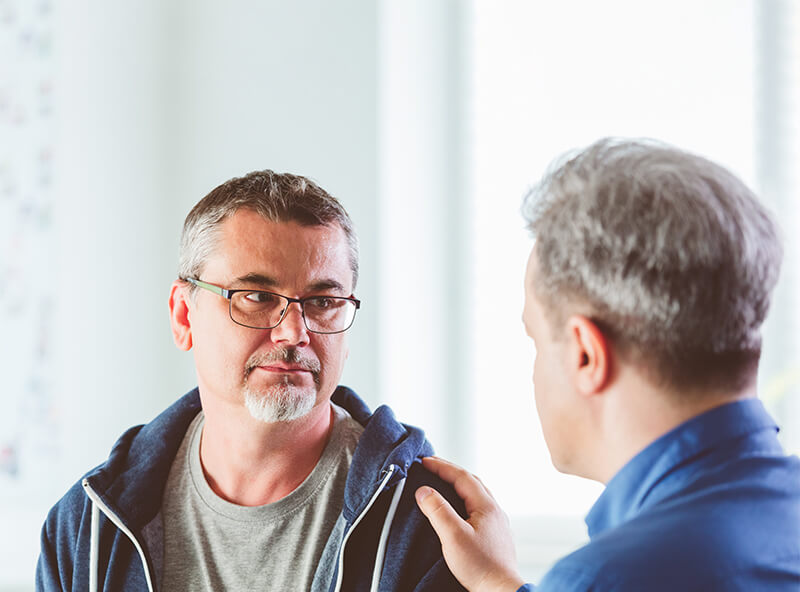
(29, 423)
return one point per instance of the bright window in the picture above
(554, 76)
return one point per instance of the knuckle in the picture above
(437, 504)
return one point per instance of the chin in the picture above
(280, 403)
(562, 464)
(558, 466)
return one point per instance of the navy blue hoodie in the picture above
(106, 534)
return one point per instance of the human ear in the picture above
(590, 355)
(179, 315)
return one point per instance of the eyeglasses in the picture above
(265, 310)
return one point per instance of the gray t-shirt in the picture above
(212, 544)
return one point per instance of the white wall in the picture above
(158, 103)
(425, 208)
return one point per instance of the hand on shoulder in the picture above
(479, 551)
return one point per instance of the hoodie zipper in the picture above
(340, 571)
(98, 503)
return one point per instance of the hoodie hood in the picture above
(385, 443)
(131, 482)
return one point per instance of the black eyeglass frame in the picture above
(228, 295)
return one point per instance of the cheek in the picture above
(332, 355)
(221, 344)
(545, 383)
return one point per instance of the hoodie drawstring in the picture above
(340, 570)
(387, 526)
(94, 547)
(94, 543)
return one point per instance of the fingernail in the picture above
(422, 493)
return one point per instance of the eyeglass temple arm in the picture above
(210, 287)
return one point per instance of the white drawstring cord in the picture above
(98, 506)
(387, 526)
(340, 571)
(94, 547)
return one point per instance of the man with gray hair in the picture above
(267, 476)
(648, 282)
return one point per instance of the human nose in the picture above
(292, 329)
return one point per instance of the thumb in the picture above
(443, 518)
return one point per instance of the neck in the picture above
(252, 463)
(637, 413)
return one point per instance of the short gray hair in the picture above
(672, 255)
(280, 197)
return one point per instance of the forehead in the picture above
(285, 251)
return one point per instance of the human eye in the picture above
(325, 303)
(256, 298)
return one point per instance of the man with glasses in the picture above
(267, 476)
(650, 275)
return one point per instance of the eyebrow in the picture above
(261, 280)
(325, 286)
(265, 281)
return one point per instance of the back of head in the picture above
(670, 254)
(279, 197)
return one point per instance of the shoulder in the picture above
(414, 554)
(703, 546)
(65, 517)
(145, 452)
(63, 540)
(136, 455)
(419, 476)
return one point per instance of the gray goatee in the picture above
(281, 402)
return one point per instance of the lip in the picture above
(283, 368)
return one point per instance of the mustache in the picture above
(289, 355)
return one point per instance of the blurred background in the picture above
(429, 119)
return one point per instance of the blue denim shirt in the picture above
(712, 505)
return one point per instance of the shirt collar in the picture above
(626, 494)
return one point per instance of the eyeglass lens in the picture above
(264, 310)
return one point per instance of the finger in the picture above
(443, 518)
(447, 470)
(468, 487)
(485, 488)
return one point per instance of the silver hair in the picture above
(280, 197)
(672, 254)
